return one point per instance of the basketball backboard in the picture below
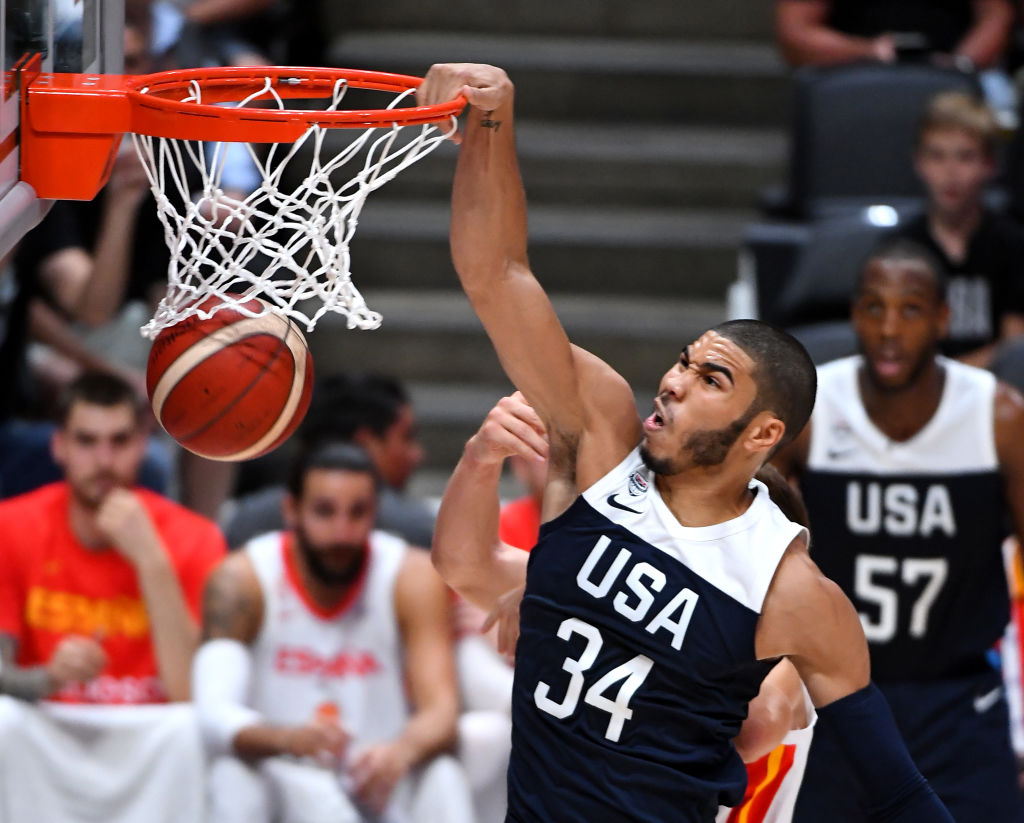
(80, 36)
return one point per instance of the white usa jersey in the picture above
(912, 530)
(350, 656)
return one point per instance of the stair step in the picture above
(600, 79)
(651, 18)
(434, 336)
(614, 163)
(673, 253)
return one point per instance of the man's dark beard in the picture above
(707, 448)
(320, 572)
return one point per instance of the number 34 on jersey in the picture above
(632, 597)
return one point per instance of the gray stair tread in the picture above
(612, 315)
(465, 403)
(651, 18)
(469, 403)
(595, 54)
(599, 226)
(675, 145)
(616, 142)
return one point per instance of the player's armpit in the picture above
(232, 601)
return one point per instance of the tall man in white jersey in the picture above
(656, 600)
(326, 681)
(909, 468)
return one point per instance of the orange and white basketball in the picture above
(232, 387)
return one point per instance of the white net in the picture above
(285, 244)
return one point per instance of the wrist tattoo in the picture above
(488, 123)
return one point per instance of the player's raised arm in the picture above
(489, 250)
(466, 549)
(807, 618)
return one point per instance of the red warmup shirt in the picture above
(52, 587)
(519, 523)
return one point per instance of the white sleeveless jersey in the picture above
(959, 438)
(912, 530)
(737, 557)
(352, 657)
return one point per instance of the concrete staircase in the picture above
(645, 131)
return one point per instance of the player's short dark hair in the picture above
(346, 402)
(98, 389)
(784, 373)
(895, 248)
(332, 456)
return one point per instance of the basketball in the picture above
(232, 387)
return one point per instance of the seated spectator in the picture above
(969, 35)
(100, 584)
(326, 682)
(966, 33)
(113, 253)
(374, 412)
(242, 32)
(29, 316)
(981, 252)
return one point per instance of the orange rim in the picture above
(155, 97)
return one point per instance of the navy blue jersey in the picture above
(635, 661)
(912, 531)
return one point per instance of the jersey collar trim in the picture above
(288, 550)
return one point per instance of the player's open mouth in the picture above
(654, 421)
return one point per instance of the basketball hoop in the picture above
(289, 248)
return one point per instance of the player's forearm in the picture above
(175, 634)
(430, 731)
(466, 530)
(488, 231)
(895, 790)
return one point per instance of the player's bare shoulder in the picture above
(233, 600)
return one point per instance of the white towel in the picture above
(62, 763)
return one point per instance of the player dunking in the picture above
(776, 733)
(907, 468)
(656, 600)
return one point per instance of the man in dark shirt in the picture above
(981, 251)
(966, 33)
